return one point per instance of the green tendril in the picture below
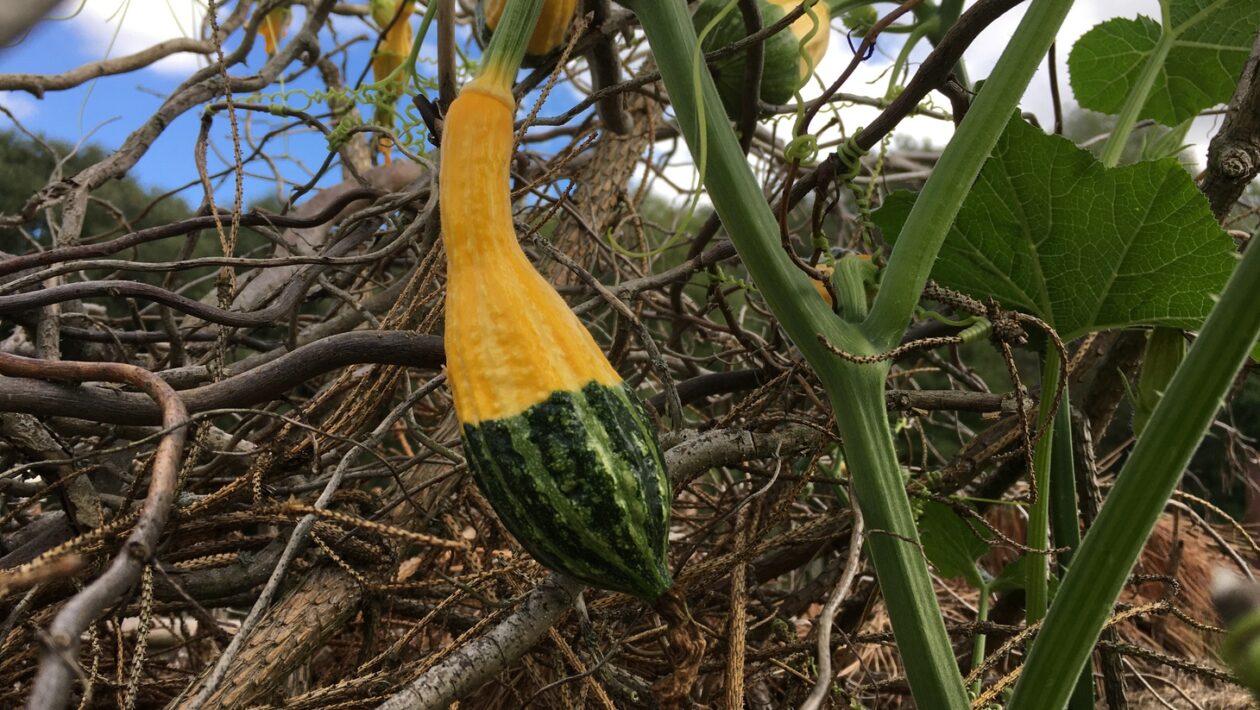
(802, 149)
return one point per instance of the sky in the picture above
(106, 110)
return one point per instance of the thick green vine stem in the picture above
(1142, 489)
(934, 211)
(857, 391)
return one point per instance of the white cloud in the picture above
(119, 27)
(984, 53)
(21, 105)
(980, 59)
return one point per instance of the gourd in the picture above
(789, 56)
(819, 286)
(394, 49)
(275, 25)
(860, 20)
(548, 37)
(559, 445)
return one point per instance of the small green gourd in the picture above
(789, 56)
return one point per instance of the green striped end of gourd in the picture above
(780, 74)
(579, 480)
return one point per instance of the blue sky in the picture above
(107, 110)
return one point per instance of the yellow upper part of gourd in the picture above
(553, 23)
(816, 47)
(395, 46)
(511, 341)
(274, 26)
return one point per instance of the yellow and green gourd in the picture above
(559, 445)
(789, 56)
(274, 26)
(389, 56)
(549, 33)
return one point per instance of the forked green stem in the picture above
(857, 391)
(942, 196)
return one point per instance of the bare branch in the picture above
(480, 660)
(52, 684)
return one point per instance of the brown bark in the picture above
(293, 630)
(1234, 153)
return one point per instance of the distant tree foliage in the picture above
(119, 206)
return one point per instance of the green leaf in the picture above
(951, 544)
(1047, 230)
(1152, 471)
(1011, 577)
(1168, 145)
(1210, 41)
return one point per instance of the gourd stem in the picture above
(507, 47)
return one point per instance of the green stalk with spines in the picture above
(1054, 476)
(857, 390)
(1055, 507)
(1063, 507)
(1038, 537)
(1111, 547)
(978, 646)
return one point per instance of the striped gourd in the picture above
(549, 33)
(789, 56)
(558, 444)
